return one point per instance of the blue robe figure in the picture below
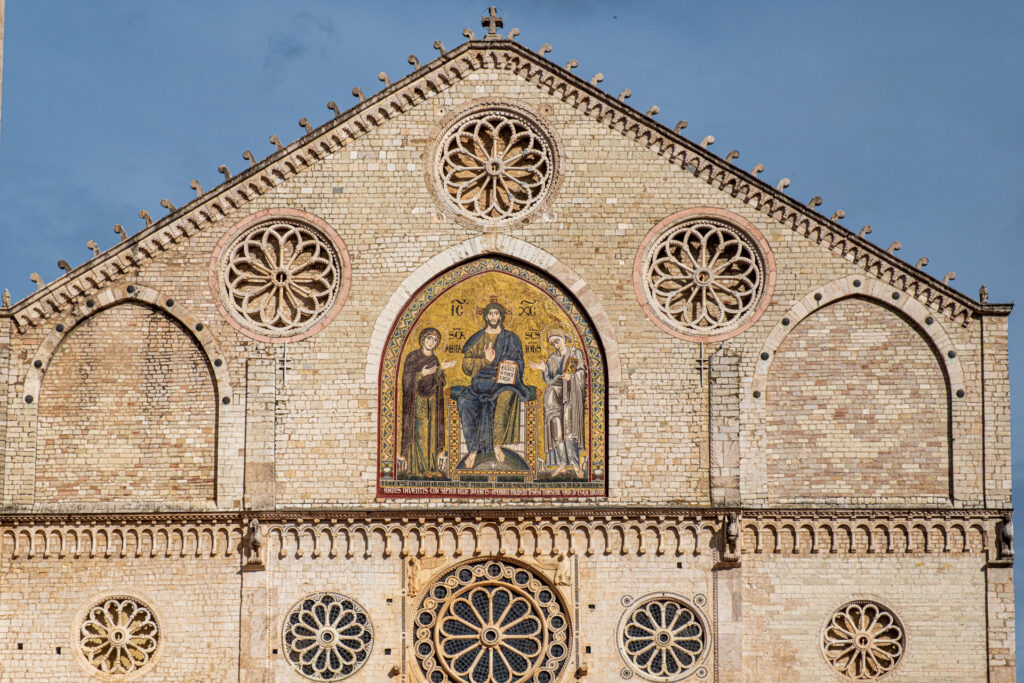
(489, 410)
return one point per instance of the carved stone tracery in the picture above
(327, 637)
(494, 163)
(119, 635)
(280, 277)
(704, 274)
(491, 621)
(663, 638)
(863, 640)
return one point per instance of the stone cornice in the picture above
(330, 534)
(235, 193)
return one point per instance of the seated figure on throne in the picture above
(489, 406)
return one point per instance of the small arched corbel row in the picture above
(460, 539)
(868, 536)
(873, 290)
(120, 294)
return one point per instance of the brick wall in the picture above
(126, 415)
(857, 410)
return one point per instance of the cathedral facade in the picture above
(492, 378)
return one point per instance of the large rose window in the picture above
(327, 637)
(119, 635)
(494, 164)
(491, 622)
(663, 638)
(863, 640)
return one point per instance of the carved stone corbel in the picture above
(731, 538)
(252, 546)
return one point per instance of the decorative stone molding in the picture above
(537, 533)
(873, 290)
(119, 539)
(720, 258)
(119, 294)
(280, 275)
(327, 637)
(863, 639)
(437, 76)
(117, 637)
(512, 537)
(663, 637)
(493, 243)
(493, 163)
(910, 534)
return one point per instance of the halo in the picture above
(483, 301)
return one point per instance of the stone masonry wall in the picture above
(857, 409)
(940, 600)
(195, 601)
(373, 193)
(128, 418)
(126, 415)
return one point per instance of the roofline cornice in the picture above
(234, 193)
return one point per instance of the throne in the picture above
(525, 450)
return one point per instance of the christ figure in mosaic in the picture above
(565, 374)
(423, 407)
(489, 406)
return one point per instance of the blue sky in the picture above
(906, 115)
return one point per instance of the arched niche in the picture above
(126, 400)
(453, 422)
(855, 395)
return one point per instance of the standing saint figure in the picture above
(489, 406)
(423, 407)
(565, 375)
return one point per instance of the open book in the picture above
(507, 372)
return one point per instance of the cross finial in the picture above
(492, 22)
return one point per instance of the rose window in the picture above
(327, 637)
(864, 640)
(663, 638)
(280, 278)
(491, 622)
(495, 164)
(119, 635)
(703, 277)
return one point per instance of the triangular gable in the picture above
(450, 67)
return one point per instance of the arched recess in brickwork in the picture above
(855, 389)
(128, 392)
(502, 245)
